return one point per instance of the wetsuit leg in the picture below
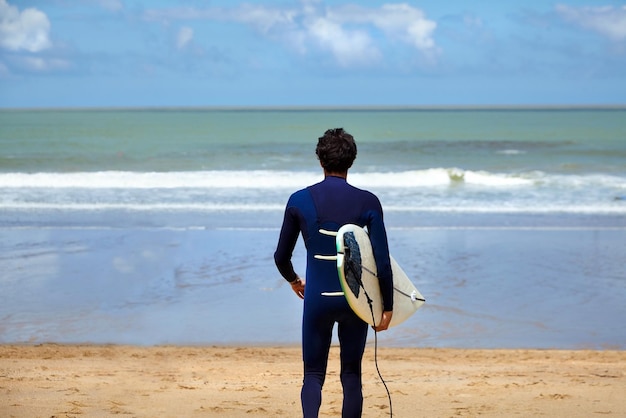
(317, 329)
(352, 332)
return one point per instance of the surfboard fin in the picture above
(332, 294)
(326, 257)
(415, 298)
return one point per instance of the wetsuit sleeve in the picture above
(286, 243)
(380, 247)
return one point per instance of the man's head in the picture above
(336, 151)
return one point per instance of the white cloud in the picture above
(266, 19)
(185, 35)
(608, 21)
(398, 21)
(345, 31)
(26, 30)
(350, 33)
(349, 47)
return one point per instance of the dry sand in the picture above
(99, 381)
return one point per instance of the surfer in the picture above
(329, 205)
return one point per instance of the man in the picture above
(329, 205)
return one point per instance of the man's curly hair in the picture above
(336, 150)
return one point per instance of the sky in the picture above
(162, 53)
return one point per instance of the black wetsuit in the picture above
(329, 205)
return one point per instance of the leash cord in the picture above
(370, 303)
(376, 362)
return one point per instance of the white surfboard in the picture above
(357, 274)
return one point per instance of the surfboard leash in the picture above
(370, 302)
(380, 376)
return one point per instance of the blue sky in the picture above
(74, 53)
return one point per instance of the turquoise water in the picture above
(468, 161)
(571, 141)
(121, 225)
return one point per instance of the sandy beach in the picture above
(53, 380)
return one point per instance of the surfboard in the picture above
(357, 274)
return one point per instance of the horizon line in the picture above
(329, 107)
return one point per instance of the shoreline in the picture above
(247, 381)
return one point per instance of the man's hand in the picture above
(384, 321)
(298, 287)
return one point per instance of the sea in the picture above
(158, 226)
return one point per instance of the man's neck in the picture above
(343, 175)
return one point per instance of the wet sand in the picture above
(53, 380)
(485, 288)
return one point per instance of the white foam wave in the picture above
(142, 207)
(257, 179)
(587, 181)
(534, 209)
(403, 179)
(433, 190)
(159, 180)
(268, 207)
(483, 178)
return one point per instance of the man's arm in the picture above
(380, 247)
(282, 257)
(286, 243)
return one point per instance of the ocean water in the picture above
(153, 226)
